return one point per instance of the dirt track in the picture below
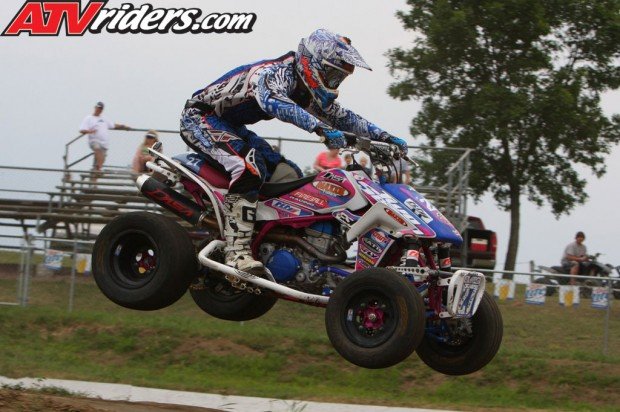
(21, 401)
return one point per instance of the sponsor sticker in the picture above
(308, 199)
(418, 210)
(365, 251)
(331, 189)
(395, 216)
(345, 217)
(379, 236)
(372, 245)
(445, 263)
(413, 254)
(278, 204)
(333, 176)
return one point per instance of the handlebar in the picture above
(376, 147)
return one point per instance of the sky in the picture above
(49, 84)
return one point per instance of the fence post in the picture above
(72, 286)
(26, 282)
(607, 312)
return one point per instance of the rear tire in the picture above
(217, 297)
(466, 354)
(375, 318)
(143, 261)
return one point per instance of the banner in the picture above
(535, 294)
(569, 295)
(53, 259)
(82, 262)
(504, 289)
(600, 297)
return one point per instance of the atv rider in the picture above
(299, 88)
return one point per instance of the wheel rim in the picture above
(369, 318)
(134, 259)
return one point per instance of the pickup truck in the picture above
(481, 246)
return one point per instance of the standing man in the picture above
(96, 127)
(575, 255)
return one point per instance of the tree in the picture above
(520, 82)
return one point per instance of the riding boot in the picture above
(240, 215)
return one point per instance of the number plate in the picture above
(465, 293)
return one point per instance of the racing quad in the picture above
(398, 296)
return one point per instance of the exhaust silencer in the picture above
(170, 199)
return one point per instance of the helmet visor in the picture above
(334, 75)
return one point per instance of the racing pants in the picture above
(246, 157)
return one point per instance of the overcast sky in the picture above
(48, 85)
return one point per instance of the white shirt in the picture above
(101, 127)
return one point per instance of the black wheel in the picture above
(463, 346)
(616, 289)
(375, 318)
(551, 287)
(585, 290)
(217, 297)
(143, 261)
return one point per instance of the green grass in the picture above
(550, 357)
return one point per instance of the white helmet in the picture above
(323, 60)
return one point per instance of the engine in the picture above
(298, 268)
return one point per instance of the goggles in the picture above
(333, 75)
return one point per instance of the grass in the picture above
(550, 357)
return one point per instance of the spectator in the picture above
(575, 255)
(365, 165)
(96, 127)
(327, 160)
(348, 159)
(402, 170)
(142, 154)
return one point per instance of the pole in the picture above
(72, 286)
(607, 313)
(24, 300)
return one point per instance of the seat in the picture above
(269, 190)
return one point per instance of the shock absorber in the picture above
(411, 256)
(443, 254)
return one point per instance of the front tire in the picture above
(143, 261)
(464, 352)
(375, 318)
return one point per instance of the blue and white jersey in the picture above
(267, 89)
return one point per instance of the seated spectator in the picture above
(348, 159)
(142, 154)
(327, 160)
(366, 165)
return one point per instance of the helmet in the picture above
(323, 60)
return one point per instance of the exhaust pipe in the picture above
(170, 199)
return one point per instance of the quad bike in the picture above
(398, 296)
(592, 267)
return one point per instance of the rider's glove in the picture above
(386, 137)
(333, 138)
